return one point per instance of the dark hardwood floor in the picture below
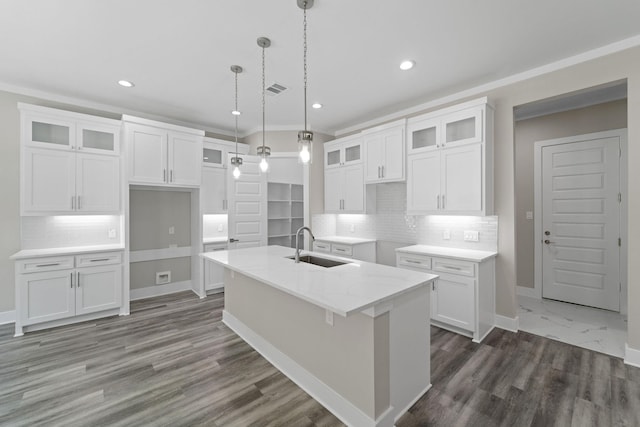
(173, 363)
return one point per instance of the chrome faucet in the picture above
(300, 230)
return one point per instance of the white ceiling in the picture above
(178, 53)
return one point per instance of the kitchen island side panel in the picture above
(344, 355)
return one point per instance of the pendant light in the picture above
(236, 160)
(263, 150)
(305, 137)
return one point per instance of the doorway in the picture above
(578, 210)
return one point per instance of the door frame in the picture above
(537, 191)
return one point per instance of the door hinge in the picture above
(619, 197)
(619, 241)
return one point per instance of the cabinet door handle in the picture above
(171, 176)
(78, 279)
(413, 261)
(79, 199)
(73, 203)
(438, 200)
(99, 259)
(443, 201)
(451, 267)
(382, 169)
(164, 175)
(71, 279)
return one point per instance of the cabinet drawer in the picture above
(321, 247)
(45, 264)
(414, 261)
(213, 247)
(452, 266)
(343, 250)
(102, 258)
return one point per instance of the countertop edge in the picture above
(484, 255)
(37, 253)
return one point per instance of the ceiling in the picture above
(178, 53)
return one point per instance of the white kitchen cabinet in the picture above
(347, 247)
(163, 154)
(463, 296)
(213, 191)
(344, 190)
(214, 273)
(55, 129)
(67, 182)
(70, 163)
(384, 153)
(343, 152)
(450, 161)
(57, 290)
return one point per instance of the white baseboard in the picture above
(7, 317)
(158, 254)
(327, 397)
(507, 323)
(631, 356)
(158, 290)
(528, 292)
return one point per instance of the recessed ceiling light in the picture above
(316, 105)
(407, 65)
(125, 83)
(236, 112)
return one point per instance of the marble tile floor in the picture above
(591, 328)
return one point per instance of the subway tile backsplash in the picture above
(390, 223)
(39, 232)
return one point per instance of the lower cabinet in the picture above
(214, 273)
(462, 297)
(363, 251)
(47, 290)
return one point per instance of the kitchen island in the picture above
(354, 336)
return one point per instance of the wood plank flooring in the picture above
(173, 363)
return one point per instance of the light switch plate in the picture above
(446, 234)
(172, 230)
(220, 227)
(529, 215)
(352, 228)
(112, 233)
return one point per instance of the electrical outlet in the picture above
(220, 227)
(172, 230)
(112, 233)
(163, 277)
(352, 228)
(471, 236)
(446, 234)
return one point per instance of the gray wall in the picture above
(143, 274)
(607, 116)
(151, 214)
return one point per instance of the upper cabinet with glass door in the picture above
(449, 127)
(50, 128)
(343, 152)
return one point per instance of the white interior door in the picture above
(581, 222)
(247, 204)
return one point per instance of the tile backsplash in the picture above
(390, 224)
(214, 226)
(38, 232)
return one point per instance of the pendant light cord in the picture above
(236, 116)
(264, 155)
(305, 62)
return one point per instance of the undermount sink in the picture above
(322, 262)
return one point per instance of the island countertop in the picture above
(344, 290)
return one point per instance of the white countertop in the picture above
(344, 240)
(344, 290)
(444, 252)
(219, 239)
(31, 253)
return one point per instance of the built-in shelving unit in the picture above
(285, 212)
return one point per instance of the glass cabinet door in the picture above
(51, 133)
(332, 158)
(464, 127)
(352, 153)
(424, 135)
(98, 139)
(213, 157)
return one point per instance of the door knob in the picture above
(233, 240)
(546, 233)
(548, 242)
